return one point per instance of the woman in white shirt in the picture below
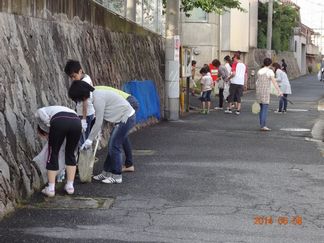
(59, 123)
(284, 84)
(111, 107)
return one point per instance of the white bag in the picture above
(41, 159)
(255, 107)
(319, 75)
(273, 90)
(226, 90)
(86, 161)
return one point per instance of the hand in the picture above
(86, 145)
(84, 125)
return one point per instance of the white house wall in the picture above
(253, 32)
(238, 32)
(239, 28)
(300, 52)
(202, 36)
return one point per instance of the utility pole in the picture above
(172, 49)
(131, 10)
(269, 26)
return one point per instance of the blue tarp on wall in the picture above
(146, 94)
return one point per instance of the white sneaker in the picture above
(218, 108)
(113, 179)
(103, 175)
(265, 129)
(278, 112)
(47, 192)
(69, 190)
(228, 111)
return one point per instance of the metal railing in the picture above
(146, 13)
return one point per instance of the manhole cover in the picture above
(295, 129)
(70, 202)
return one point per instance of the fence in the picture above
(147, 13)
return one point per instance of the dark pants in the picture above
(221, 97)
(117, 138)
(127, 147)
(63, 125)
(236, 92)
(283, 103)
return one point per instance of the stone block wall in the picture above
(37, 37)
(255, 59)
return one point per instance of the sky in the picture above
(312, 13)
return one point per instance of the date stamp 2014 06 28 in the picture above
(280, 220)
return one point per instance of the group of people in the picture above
(80, 127)
(271, 74)
(230, 78)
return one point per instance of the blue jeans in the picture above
(87, 132)
(128, 152)
(283, 103)
(119, 134)
(263, 114)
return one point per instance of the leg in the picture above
(260, 115)
(128, 152)
(285, 103)
(239, 93)
(70, 171)
(281, 104)
(263, 114)
(208, 106)
(221, 98)
(107, 167)
(230, 98)
(203, 105)
(208, 94)
(120, 133)
(51, 174)
(72, 140)
(55, 140)
(203, 100)
(238, 106)
(116, 140)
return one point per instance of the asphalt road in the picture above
(204, 178)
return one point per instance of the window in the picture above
(197, 15)
(295, 46)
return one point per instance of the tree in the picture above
(285, 18)
(217, 6)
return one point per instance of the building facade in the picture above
(215, 36)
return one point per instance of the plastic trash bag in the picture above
(255, 107)
(41, 160)
(226, 90)
(319, 75)
(86, 161)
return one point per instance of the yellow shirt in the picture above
(118, 91)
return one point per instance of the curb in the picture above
(320, 105)
(318, 128)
